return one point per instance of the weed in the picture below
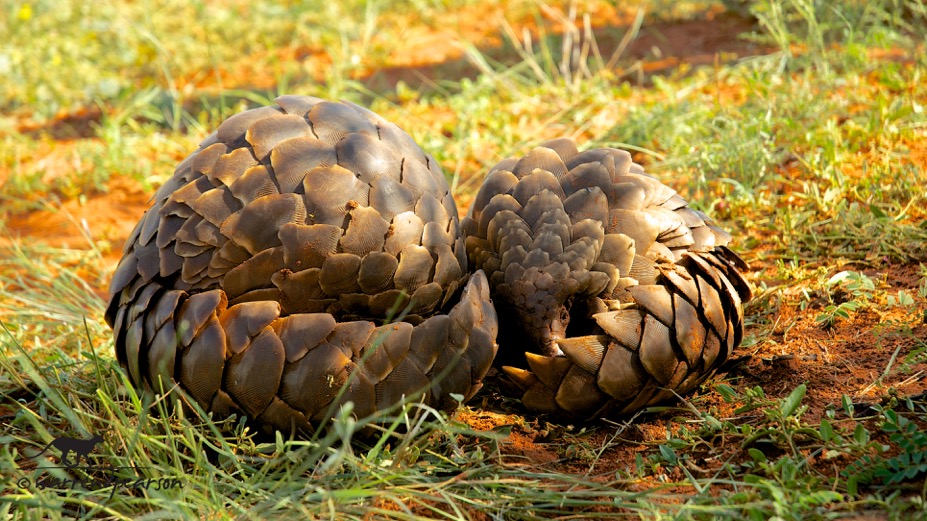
(910, 463)
(853, 291)
(811, 155)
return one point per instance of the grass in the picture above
(810, 152)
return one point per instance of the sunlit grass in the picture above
(812, 155)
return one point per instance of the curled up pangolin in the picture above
(626, 294)
(310, 254)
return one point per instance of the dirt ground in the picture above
(850, 359)
(111, 214)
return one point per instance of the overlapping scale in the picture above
(259, 281)
(643, 300)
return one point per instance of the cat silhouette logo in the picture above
(80, 448)
(95, 476)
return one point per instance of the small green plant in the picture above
(909, 464)
(847, 292)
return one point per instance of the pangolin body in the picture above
(309, 254)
